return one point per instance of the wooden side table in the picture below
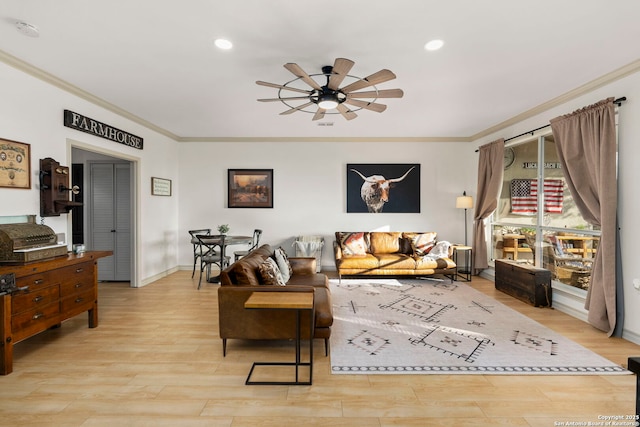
(511, 245)
(298, 301)
(468, 261)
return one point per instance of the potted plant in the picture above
(223, 228)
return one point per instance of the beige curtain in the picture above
(490, 172)
(586, 145)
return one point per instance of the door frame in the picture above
(135, 197)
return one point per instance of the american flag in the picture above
(524, 196)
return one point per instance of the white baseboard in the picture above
(631, 336)
(158, 276)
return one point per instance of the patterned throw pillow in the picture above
(353, 244)
(271, 273)
(423, 243)
(283, 264)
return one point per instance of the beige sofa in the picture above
(392, 254)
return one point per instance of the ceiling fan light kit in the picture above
(324, 99)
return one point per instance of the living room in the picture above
(319, 164)
(309, 172)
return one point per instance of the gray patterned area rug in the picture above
(388, 326)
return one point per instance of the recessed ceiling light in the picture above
(434, 45)
(27, 29)
(223, 44)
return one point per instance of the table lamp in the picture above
(464, 202)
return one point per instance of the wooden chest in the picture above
(525, 282)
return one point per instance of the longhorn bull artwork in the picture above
(375, 188)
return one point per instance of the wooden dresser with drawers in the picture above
(53, 290)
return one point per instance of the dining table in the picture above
(229, 240)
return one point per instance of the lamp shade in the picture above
(464, 202)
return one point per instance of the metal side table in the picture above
(298, 301)
(463, 271)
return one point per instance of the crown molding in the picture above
(572, 94)
(74, 90)
(324, 139)
(21, 65)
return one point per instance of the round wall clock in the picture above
(509, 157)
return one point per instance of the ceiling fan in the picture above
(321, 99)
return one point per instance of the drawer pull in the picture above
(37, 316)
(38, 298)
(38, 281)
(78, 285)
(79, 300)
(79, 270)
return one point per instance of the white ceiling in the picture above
(155, 59)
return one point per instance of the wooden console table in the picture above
(298, 301)
(56, 289)
(584, 246)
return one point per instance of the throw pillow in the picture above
(283, 264)
(440, 250)
(353, 244)
(423, 243)
(385, 242)
(270, 273)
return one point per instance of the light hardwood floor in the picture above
(156, 360)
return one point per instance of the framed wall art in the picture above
(250, 188)
(160, 186)
(383, 188)
(15, 164)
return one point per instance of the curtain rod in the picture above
(618, 101)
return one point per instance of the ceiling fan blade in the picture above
(294, 109)
(374, 79)
(387, 93)
(373, 106)
(341, 68)
(299, 72)
(282, 99)
(277, 86)
(346, 112)
(319, 115)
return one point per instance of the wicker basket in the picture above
(574, 276)
(580, 279)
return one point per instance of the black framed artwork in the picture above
(383, 188)
(250, 188)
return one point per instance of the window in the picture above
(537, 221)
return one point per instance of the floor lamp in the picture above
(464, 202)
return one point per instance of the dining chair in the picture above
(208, 244)
(196, 245)
(254, 244)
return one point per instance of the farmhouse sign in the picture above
(94, 127)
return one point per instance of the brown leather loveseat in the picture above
(243, 277)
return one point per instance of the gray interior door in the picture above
(110, 214)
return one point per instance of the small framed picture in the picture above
(15, 164)
(160, 187)
(250, 188)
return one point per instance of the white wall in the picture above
(310, 189)
(31, 111)
(628, 178)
